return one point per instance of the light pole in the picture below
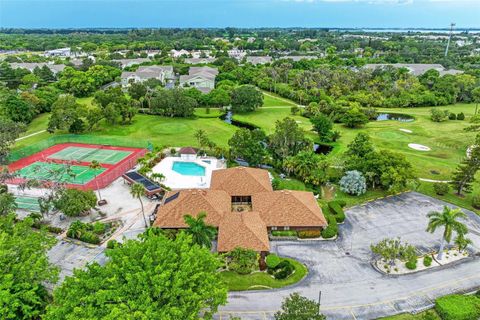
(452, 25)
(319, 299)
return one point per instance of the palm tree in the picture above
(201, 233)
(448, 220)
(95, 165)
(462, 242)
(137, 191)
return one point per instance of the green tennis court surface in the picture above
(90, 154)
(28, 203)
(57, 172)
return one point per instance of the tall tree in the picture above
(323, 125)
(464, 175)
(9, 132)
(448, 219)
(202, 233)
(25, 269)
(246, 98)
(248, 145)
(138, 191)
(297, 307)
(149, 278)
(288, 139)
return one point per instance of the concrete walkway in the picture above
(341, 269)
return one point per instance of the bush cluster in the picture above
(272, 261)
(461, 116)
(242, 261)
(440, 188)
(282, 270)
(458, 307)
(337, 211)
(87, 232)
(332, 229)
(112, 244)
(309, 234)
(427, 261)
(284, 233)
(476, 201)
(411, 265)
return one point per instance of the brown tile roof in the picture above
(245, 230)
(288, 208)
(187, 150)
(241, 181)
(214, 202)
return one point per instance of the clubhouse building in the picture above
(243, 206)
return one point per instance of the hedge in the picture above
(284, 233)
(308, 234)
(458, 307)
(272, 261)
(427, 261)
(337, 211)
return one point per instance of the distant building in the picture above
(63, 52)
(199, 60)
(130, 62)
(179, 53)
(259, 59)
(202, 78)
(298, 58)
(416, 69)
(30, 66)
(144, 73)
(237, 54)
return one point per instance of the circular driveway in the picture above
(341, 270)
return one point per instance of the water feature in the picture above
(322, 148)
(228, 118)
(188, 168)
(395, 116)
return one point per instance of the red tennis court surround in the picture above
(111, 173)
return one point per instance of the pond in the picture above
(228, 118)
(395, 116)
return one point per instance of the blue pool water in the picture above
(188, 168)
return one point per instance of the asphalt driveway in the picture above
(341, 270)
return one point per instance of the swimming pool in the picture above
(188, 168)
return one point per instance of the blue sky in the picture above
(238, 13)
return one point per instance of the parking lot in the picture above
(341, 269)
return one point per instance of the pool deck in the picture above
(176, 180)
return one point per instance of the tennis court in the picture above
(83, 154)
(57, 172)
(27, 203)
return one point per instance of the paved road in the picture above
(351, 288)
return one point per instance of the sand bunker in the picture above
(418, 147)
(406, 130)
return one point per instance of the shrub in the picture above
(173, 151)
(476, 201)
(284, 233)
(427, 261)
(458, 307)
(90, 237)
(272, 261)
(276, 184)
(461, 116)
(354, 183)
(329, 232)
(112, 244)
(411, 265)
(452, 116)
(438, 115)
(337, 211)
(99, 228)
(283, 270)
(242, 261)
(341, 203)
(440, 188)
(74, 202)
(308, 234)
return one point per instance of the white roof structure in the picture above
(416, 69)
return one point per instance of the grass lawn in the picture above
(272, 100)
(38, 124)
(212, 112)
(408, 316)
(262, 280)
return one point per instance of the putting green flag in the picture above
(149, 146)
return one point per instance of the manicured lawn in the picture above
(38, 124)
(408, 316)
(163, 131)
(212, 112)
(262, 280)
(271, 100)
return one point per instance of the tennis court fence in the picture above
(74, 138)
